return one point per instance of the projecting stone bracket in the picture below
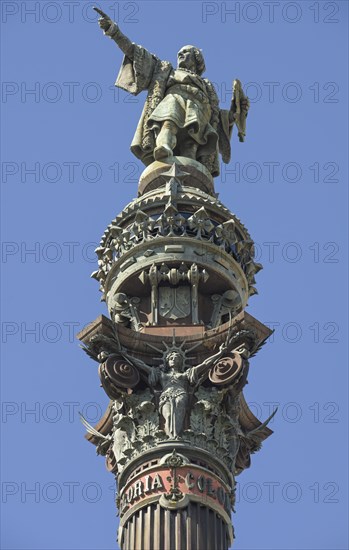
(226, 304)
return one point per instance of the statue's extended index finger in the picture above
(101, 13)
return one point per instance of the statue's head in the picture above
(174, 360)
(191, 58)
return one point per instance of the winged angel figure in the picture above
(175, 381)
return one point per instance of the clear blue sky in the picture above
(287, 183)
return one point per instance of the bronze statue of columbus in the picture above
(181, 115)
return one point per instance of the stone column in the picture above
(176, 269)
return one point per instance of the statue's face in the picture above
(186, 58)
(174, 360)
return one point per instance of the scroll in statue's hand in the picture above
(244, 105)
(104, 21)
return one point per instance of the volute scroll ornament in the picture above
(226, 370)
(117, 374)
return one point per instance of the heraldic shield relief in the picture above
(174, 302)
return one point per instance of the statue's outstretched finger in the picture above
(101, 13)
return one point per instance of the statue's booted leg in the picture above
(166, 140)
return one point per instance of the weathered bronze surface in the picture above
(176, 269)
(181, 115)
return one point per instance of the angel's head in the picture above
(174, 360)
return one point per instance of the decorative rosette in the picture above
(226, 370)
(116, 374)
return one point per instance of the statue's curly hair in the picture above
(200, 62)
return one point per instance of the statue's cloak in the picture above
(147, 72)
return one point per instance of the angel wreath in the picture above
(181, 115)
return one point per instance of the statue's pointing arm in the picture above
(137, 68)
(112, 30)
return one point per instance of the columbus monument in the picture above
(176, 269)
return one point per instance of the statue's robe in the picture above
(173, 94)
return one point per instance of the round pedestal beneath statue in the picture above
(191, 173)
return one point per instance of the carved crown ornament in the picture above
(145, 228)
